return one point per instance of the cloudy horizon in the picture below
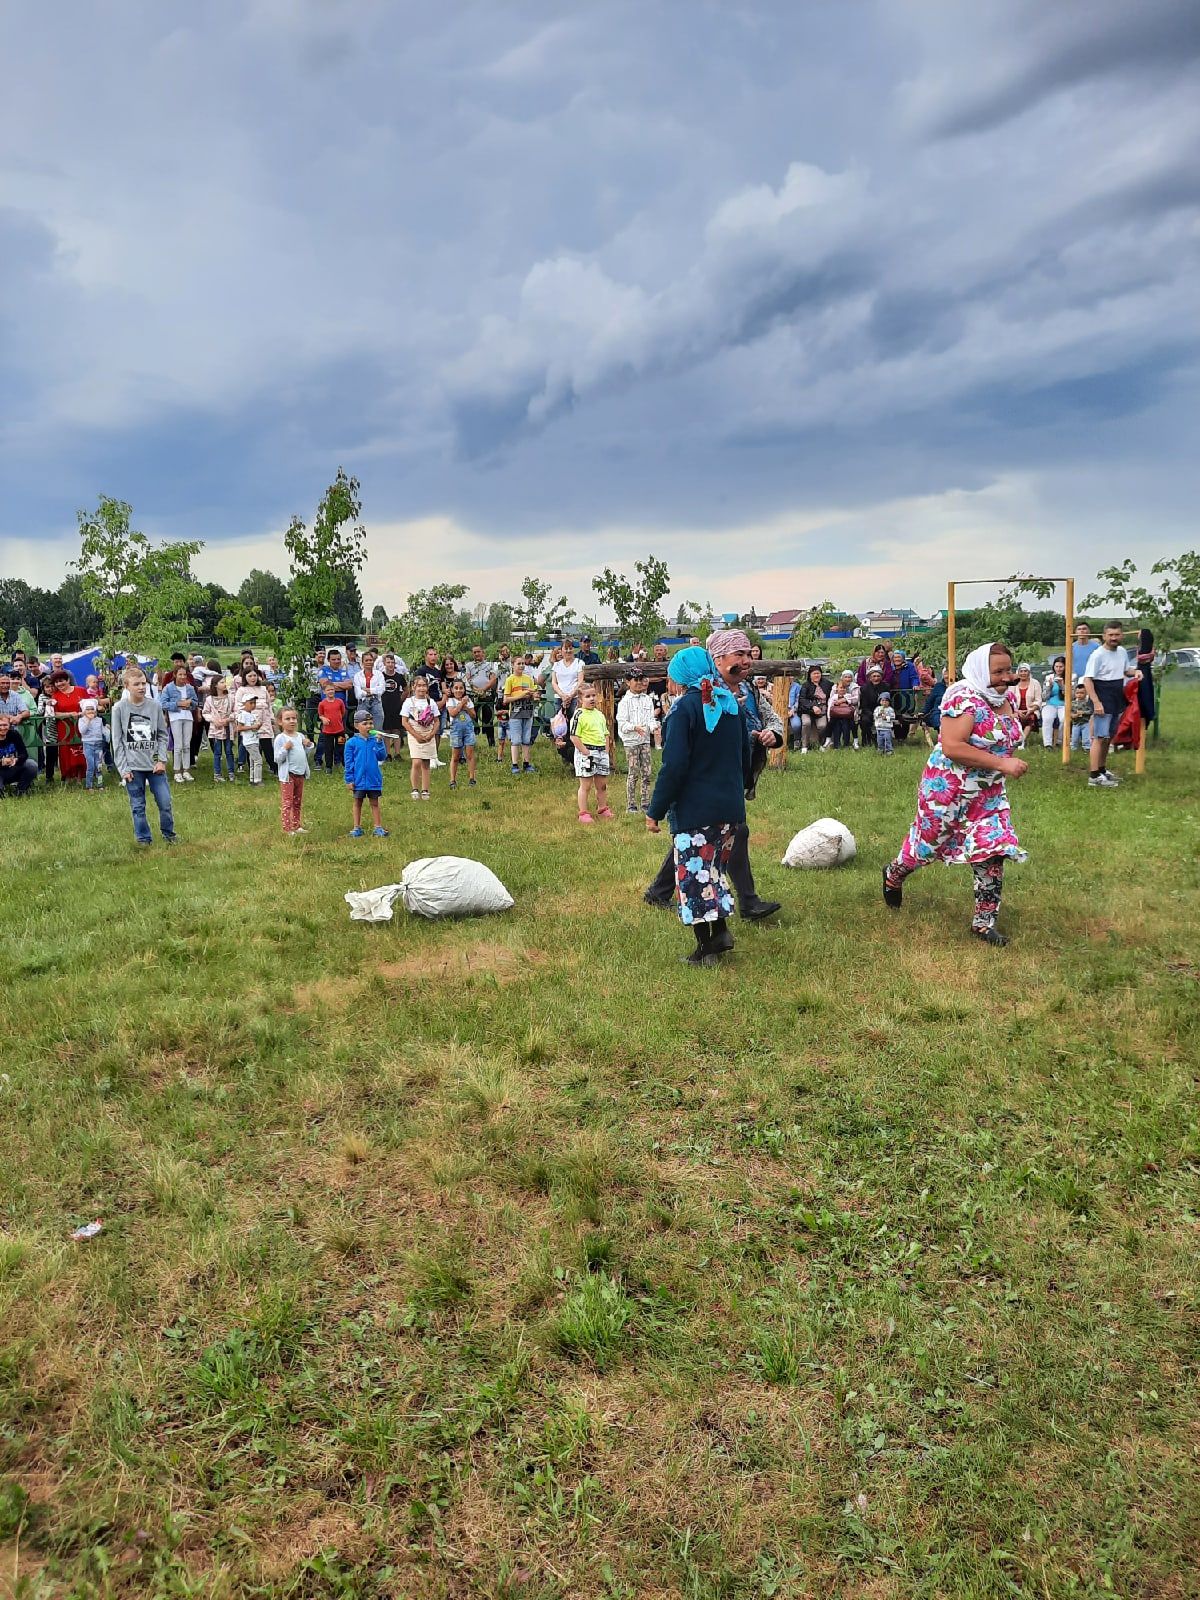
(811, 302)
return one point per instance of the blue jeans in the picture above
(160, 788)
(19, 777)
(883, 738)
(373, 704)
(520, 730)
(93, 755)
(216, 746)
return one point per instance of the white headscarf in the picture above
(977, 674)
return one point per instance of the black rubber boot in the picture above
(702, 955)
(722, 940)
(990, 935)
(892, 897)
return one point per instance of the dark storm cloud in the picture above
(1066, 44)
(551, 271)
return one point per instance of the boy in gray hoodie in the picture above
(139, 739)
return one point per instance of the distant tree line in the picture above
(126, 592)
(64, 617)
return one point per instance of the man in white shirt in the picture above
(1104, 680)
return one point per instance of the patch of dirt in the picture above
(324, 994)
(498, 961)
(17, 1567)
(299, 1540)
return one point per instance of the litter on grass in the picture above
(434, 886)
(89, 1230)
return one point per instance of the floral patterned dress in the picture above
(701, 873)
(962, 812)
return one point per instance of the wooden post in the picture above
(1139, 760)
(1067, 696)
(606, 701)
(950, 631)
(780, 691)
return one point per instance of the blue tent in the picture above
(83, 662)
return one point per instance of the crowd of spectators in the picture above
(53, 726)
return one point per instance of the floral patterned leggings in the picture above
(989, 885)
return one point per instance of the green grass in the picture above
(511, 1258)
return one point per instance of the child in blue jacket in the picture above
(363, 753)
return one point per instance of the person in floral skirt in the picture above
(701, 787)
(962, 805)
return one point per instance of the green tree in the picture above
(1170, 607)
(16, 606)
(264, 593)
(499, 624)
(539, 611)
(379, 620)
(348, 604)
(807, 637)
(215, 602)
(143, 594)
(242, 624)
(320, 557)
(635, 602)
(695, 619)
(430, 618)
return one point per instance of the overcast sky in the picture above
(810, 299)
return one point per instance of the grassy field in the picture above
(511, 1258)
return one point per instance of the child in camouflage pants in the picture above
(635, 728)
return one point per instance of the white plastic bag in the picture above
(825, 843)
(372, 905)
(452, 886)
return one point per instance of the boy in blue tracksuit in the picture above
(362, 755)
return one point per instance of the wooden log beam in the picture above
(657, 671)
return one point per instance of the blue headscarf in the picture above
(694, 668)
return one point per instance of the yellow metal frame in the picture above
(1069, 584)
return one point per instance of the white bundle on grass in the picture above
(825, 843)
(434, 886)
(452, 886)
(372, 905)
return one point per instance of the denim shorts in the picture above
(520, 729)
(367, 794)
(461, 735)
(1104, 726)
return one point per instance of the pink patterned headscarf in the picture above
(726, 642)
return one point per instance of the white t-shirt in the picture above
(413, 707)
(566, 677)
(1107, 666)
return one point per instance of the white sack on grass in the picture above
(825, 843)
(451, 886)
(372, 905)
